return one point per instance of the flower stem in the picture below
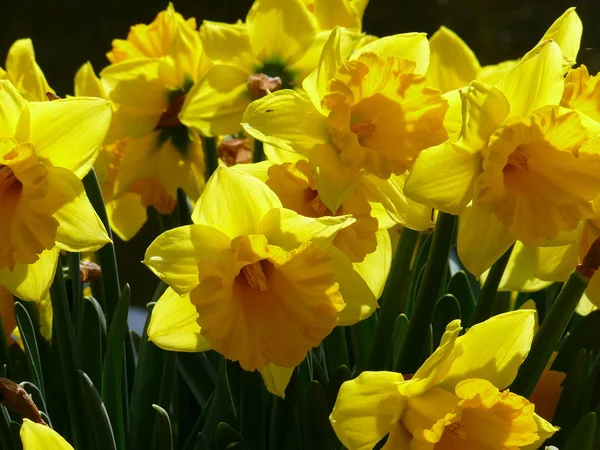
(259, 151)
(420, 320)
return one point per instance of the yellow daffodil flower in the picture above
(36, 436)
(277, 47)
(373, 112)
(256, 282)
(456, 400)
(24, 73)
(152, 152)
(453, 64)
(45, 150)
(528, 166)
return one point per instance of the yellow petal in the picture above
(36, 436)
(366, 409)
(216, 103)
(277, 156)
(12, 105)
(276, 378)
(453, 117)
(174, 255)
(360, 300)
(68, 133)
(280, 32)
(477, 225)
(31, 281)
(317, 82)
(493, 350)
(234, 202)
(46, 317)
(535, 82)
(80, 229)
(589, 300)
(400, 439)
(87, 84)
(545, 431)
(25, 73)
(126, 215)
(566, 31)
(556, 263)
(452, 63)
(520, 273)
(287, 120)
(409, 46)
(173, 324)
(226, 43)
(334, 13)
(494, 73)
(374, 269)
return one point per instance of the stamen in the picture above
(255, 276)
(517, 160)
(363, 128)
(319, 207)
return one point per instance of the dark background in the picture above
(66, 33)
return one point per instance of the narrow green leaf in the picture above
(102, 431)
(420, 319)
(15, 428)
(259, 151)
(165, 434)
(236, 446)
(320, 435)
(234, 385)
(284, 429)
(393, 300)
(460, 287)
(361, 337)
(6, 438)
(225, 435)
(220, 409)
(198, 374)
(65, 337)
(549, 334)
(76, 285)
(201, 443)
(112, 375)
(30, 343)
(397, 338)
(252, 410)
(423, 247)
(446, 310)
(211, 159)
(37, 397)
(339, 377)
(584, 335)
(582, 436)
(4, 356)
(91, 339)
(336, 350)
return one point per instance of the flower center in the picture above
(317, 205)
(9, 184)
(170, 117)
(255, 276)
(517, 162)
(363, 128)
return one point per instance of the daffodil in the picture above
(45, 150)
(24, 73)
(456, 400)
(252, 280)
(275, 48)
(454, 65)
(526, 168)
(371, 113)
(36, 436)
(151, 152)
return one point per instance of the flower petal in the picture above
(31, 281)
(366, 409)
(341, 13)
(25, 72)
(280, 31)
(87, 84)
(174, 255)
(80, 229)
(452, 63)
(286, 119)
(68, 133)
(536, 81)
(477, 225)
(226, 43)
(520, 273)
(216, 103)
(36, 436)
(276, 378)
(126, 215)
(12, 105)
(375, 268)
(410, 46)
(173, 324)
(556, 263)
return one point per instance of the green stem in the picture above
(65, 337)
(106, 255)
(259, 151)
(420, 320)
(393, 300)
(487, 296)
(211, 158)
(549, 335)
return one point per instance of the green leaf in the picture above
(101, 427)
(221, 408)
(76, 285)
(423, 247)
(199, 375)
(252, 410)
(582, 436)
(446, 310)
(584, 335)
(284, 429)
(336, 350)
(259, 151)
(37, 397)
(211, 159)
(460, 287)
(112, 375)
(320, 435)
(236, 446)
(398, 337)
(361, 337)
(165, 434)
(225, 435)
(6, 438)
(15, 428)
(4, 355)
(91, 339)
(201, 443)
(30, 343)
(339, 377)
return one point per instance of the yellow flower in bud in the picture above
(24, 73)
(371, 113)
(456, 399)
(254, 281)
(528, 167)
(36, 436)
(276, 48)
(150, 153)
(45, 150)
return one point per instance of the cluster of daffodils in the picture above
(308, 178)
